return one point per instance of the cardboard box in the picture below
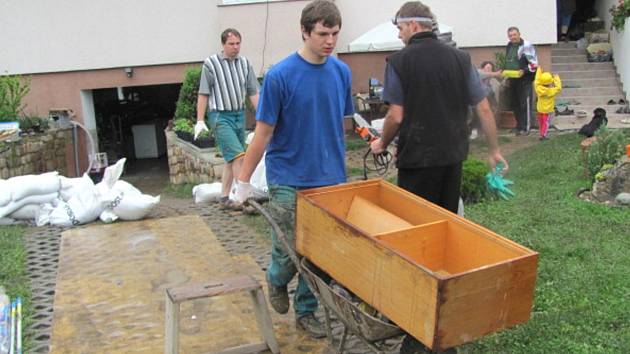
(441, 278)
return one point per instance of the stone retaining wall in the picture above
(36, 154)
(190, 164)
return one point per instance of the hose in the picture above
(91, 140)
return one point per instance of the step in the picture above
(586, 74)
(612, 91)
(583, 66)
(567, 51)
(563, 45)
(588, 100)
(585, 83)
(562, 59)
(615, 121)
(609, 108)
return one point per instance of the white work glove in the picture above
(199, 127)
(243, 191)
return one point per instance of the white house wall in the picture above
(71, 35)
(620, 42)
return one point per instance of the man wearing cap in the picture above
(226, 80)
(430, 86)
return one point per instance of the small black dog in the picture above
(598, 120)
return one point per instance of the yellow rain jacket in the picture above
(546, 95)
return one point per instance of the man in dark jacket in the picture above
(520, 55)
(430, 87)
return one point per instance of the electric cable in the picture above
(379, 164)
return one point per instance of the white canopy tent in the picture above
(384, 37)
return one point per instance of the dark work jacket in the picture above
(434, 79)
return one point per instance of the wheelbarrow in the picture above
(368, 329)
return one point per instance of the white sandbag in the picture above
(43, 215)
(111, 176)
(84, 207)
(126, 187)
(9, 221)
(28, 185)
(71, 186)
(34, 199)
(108, 216)
(133, 206)
(259, 177)
(27, 212)
(206, 192)
(5, 192)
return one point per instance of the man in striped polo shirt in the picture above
(227, 79)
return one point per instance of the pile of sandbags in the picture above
(56, 200)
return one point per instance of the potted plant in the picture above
(204, 140)
(183, 129)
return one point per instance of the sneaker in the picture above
(311, 325)
(278, 298)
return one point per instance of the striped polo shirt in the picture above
(227, 82)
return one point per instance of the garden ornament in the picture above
(499, 185)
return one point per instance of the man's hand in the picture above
(496, 158)
(243, 191)
(377, 147)
(199, 127)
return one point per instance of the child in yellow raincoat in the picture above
(547, 86)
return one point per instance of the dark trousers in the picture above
(521, 96)
(439, 185)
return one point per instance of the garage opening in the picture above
(130, 122)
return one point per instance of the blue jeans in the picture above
(281, 269)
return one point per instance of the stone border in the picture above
(190, 164)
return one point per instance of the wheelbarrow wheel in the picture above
(410, 345)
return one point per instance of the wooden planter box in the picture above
(443, 279)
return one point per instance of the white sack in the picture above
(71, 186)
(9, 221)
(111, 176)
(34, 199)
(5, 192)
(259, 177)
(206, 192)
(28, 185)
(108, 216)
(27, 212)
(84, 207)
(131, 206)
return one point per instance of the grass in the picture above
(582, 297)
(13, 271)
(181, 191)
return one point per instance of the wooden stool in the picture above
(175, 296)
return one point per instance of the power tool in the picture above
(380, 162)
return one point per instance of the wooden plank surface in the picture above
(424, 244)
(486, 301)
(373, 219)
(399, 289)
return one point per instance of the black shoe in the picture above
(278, 298)
(411, 345)
(311, 325)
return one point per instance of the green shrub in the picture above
(13, 89)
(499, 58)
(183, 125)
(33, 123)
(608, 147)
(186, 107)
(474, 187)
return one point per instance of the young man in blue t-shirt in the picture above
(300, 125)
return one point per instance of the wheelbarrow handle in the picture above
(276, 228)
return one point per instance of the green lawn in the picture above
(13, 271)
(582, 298)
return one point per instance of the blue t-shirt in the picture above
(306, 104)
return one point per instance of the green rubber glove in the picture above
(499, 185)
